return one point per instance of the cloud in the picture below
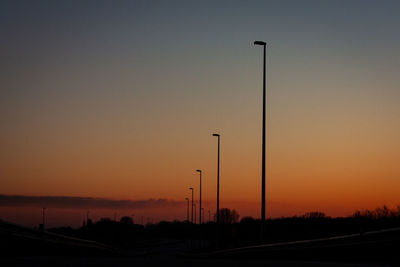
(83, 202)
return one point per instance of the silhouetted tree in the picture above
(378, 213)
(314, 215)
(382, 212)
(228, 216)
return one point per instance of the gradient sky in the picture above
(118, 100)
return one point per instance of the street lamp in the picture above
(194, 213)
(217, 135)
(264, 44)
(199, 171)
(191, 188)
(187, 214)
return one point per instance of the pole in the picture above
(263, 144)
(200, 201)
(192, 201)
(217, 135)
(217, 223)
(199, 171)
(264, 44)
(218, 180)
(194, 213)
(187, 211)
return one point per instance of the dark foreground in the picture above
(93, 261)
(21, 246)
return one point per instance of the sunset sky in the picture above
(118, 100)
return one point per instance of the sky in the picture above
(118, 100)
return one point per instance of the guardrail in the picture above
(300, 244)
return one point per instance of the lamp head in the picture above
(186, 198)
(198, 170)
(191, 188)
(215, 134)
(260, 43)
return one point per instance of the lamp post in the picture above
(187, 211)
(194, 213)
(209, 215)
(199, 171)
(264, 44)
(217, 223)
(191, 188)
(133, 218)
(217, 135)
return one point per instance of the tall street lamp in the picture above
(191, 188)
(187, 211)
(217, 135)
(264, 45)
(194, 213)
(199, 171)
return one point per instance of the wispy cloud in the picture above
(83, 202)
